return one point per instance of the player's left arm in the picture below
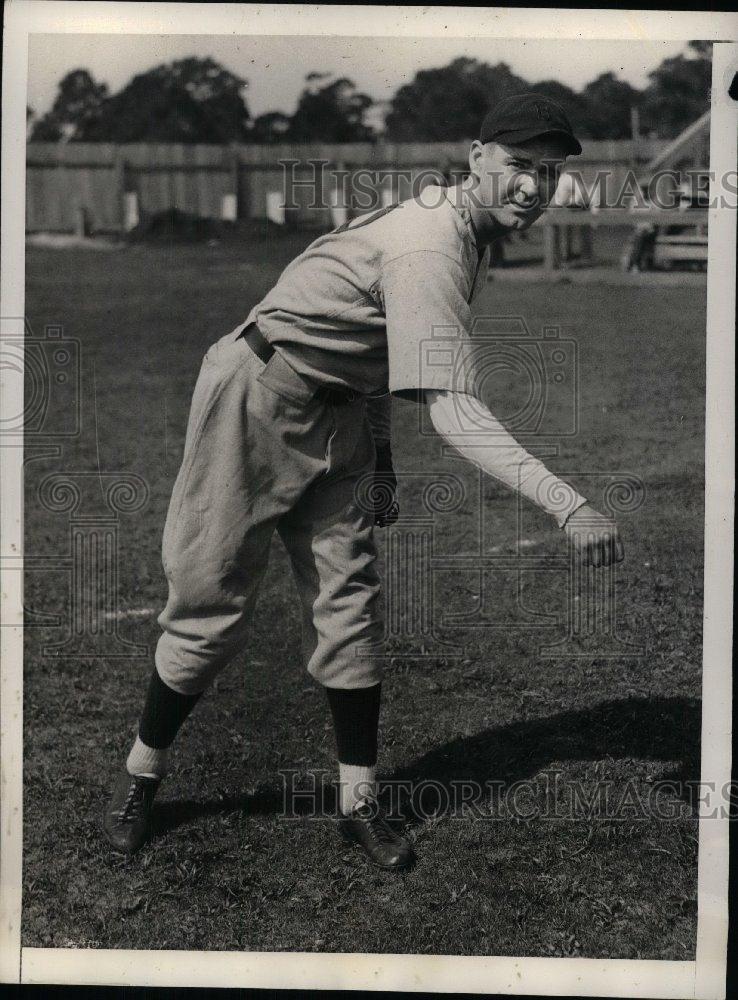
(384, 492)
(468, 426)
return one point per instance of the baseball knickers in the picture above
(264, 452)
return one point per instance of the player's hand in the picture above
(595, 537)
(384, 489)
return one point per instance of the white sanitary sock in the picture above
(147, 760)
(355, 784)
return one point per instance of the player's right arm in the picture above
(469, 427)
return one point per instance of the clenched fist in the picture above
(595, 537)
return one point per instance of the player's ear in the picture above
(476, 154)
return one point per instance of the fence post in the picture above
(568, 251)
(552, 256)
(587, 255)
(81, 222)
(119, 176)
(339, 209)
(275, 211)
(235, 165)
(65, 203)
(131, 217)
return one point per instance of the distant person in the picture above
(292, 409)
(639, 247)
(638, 252)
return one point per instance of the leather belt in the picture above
(264, 351)
(257, 342)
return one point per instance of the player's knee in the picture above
(346, 671)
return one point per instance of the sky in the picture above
(275, 66)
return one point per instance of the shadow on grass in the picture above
(168, 815)
(658, 729)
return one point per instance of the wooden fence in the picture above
(109, 184)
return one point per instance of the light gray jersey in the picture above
(358, 308)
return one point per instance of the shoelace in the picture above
(377, 826)
(131, 808)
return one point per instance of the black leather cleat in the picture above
(127, 823)
(367, 827)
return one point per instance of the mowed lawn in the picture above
(226, 869)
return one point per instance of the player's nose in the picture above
(527, 187)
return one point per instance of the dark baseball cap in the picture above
(522, 117)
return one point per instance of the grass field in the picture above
(225, 870)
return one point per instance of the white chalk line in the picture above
(130, 613)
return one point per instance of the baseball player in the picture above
(291, 411)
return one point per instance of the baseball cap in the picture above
(526, 116)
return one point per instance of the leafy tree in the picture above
(678, 91)
(198, 100)
(608, 102)
(270, 127)
(78, 105)
(333, 112)
(448, 104)
(190, 100)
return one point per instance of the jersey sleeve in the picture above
(424, 294)
(469, 427)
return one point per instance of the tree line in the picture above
(198, 100)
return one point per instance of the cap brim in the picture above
(573, 147)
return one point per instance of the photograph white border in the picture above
(703, 978)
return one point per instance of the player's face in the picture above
(513, 185)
